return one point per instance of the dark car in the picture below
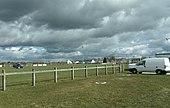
(18, 65)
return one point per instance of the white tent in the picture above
(93, 61)
(69, 62)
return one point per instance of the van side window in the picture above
(141, 63)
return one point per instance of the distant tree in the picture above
(105, 60)
(111, 59)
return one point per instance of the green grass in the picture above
(120, 91)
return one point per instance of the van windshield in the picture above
(141, 63)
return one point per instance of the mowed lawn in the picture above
(104, 91)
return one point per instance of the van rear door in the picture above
(167, 64)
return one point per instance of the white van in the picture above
(158, 65)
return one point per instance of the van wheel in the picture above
(134, 71)
(159, 72)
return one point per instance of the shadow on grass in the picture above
(145, 73)
(18, 84)
(28, 83)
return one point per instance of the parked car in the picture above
(158, 65)
(18, 65)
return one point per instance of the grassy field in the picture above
(119, 91)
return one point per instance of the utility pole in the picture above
(83, 53)
(167, 41)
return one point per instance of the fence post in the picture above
(119, 68)
(113, 69)
(97, 70)
(122, 68)
(3, 80)
(105, 69)
(55, 74)
(86, 73)
(72, 73)
(33, 77)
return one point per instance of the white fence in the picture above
(55, 71)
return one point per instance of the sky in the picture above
(57, 30)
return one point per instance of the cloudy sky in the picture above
(77, 29)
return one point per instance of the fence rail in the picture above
(4, 74)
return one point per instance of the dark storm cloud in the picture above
(66, 14)
(11, 10)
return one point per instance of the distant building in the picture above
(121, 60)
(134, 60)
(77, 62)
(162, 55)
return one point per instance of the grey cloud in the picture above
(65, 14)
(11, 10)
